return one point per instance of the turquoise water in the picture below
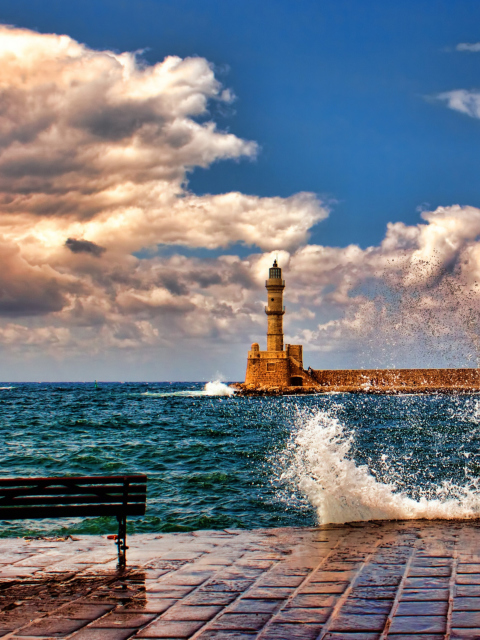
(219, 462)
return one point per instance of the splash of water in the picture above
(213, 388)
(217, 388)
(321, 465)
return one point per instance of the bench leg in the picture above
(122, 540)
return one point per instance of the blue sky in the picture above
(340, 101)
(337, 94)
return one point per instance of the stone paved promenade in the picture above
(359, 582)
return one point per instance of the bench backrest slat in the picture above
(72, 496)
(72, 480)
(98, 490)
(91, 511)
(45, 500)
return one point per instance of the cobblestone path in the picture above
(359, 582)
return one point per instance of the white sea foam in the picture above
(214, 388)
(319, 461)
(217, 388)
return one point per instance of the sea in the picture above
(218, 461)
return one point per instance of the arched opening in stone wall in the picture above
(296, 381)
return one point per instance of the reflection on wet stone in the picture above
(252, 584)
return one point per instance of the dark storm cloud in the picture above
(30, 302)
(115, 122)
(84, 246)
(27, 290)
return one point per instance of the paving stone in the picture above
(266, 593)
(84, 611)
(353, 622)
(241, 621)
(264, 565)
(102, 634)
(291, 632)
(272, 580)
(312, 600)
(169, 591)
(377, 581)
(442, 571)
(332, 576)
(418, 624)
(319, 615)
(468, 578)
(431, 562)
(426, 583)
(352, 636)
(239, 573)
(466, 604)
(124, 620)
(374, 593)
(467, 590)
(417, 636)
(169, 629)
(425, 594)
(468, 568)
(255, 606)
(226, 635)
(212, 598)
(227, 585)
(341, 566)
(363, 606)
(418, 608)
(182, 612)
(52, 626)
(188, 579)
(324, 587)
(469, 619)
(150, 605)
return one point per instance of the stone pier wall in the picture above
(270, 372)
(397, 379)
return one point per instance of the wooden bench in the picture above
(76, 496)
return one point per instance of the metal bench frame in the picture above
(76, 496)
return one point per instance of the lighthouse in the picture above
(281, 365)
(275, 309)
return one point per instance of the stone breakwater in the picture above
(376, 381)
(364, 581)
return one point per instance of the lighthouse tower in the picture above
(275, 309)
(280, 366)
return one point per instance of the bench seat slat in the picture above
(69, 480)
(139, 489)
(44, 500)
(89, 511)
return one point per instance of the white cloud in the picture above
(466, 46)
(463, 100)
(467, 102)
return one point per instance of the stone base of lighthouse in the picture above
(277, 369)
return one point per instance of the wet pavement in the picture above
(412, 579)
